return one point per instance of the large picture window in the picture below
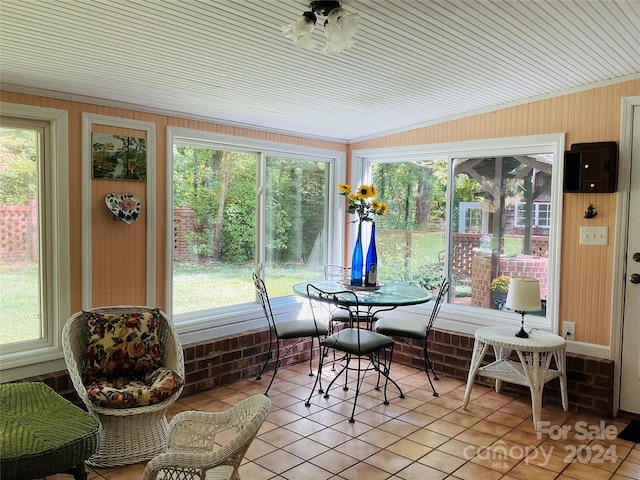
(248, 207)
(21, 161)
(474, 212)
(34, 244)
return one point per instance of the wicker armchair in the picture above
(209, 445)
(129, 435)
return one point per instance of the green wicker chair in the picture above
(42, 434)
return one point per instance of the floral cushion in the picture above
(129, 392)
(122, 344)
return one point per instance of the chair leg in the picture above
(345, 368)
(269, 355)
(387, 370)
(427, 367)
(358, 383)
(311, 357)
(318, 382)
(275, 370)
(433, 372)
(79, 472)
(384, 369)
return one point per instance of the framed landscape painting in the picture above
(118, 157)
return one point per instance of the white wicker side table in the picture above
(535, 354)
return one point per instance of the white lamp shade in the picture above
(524, 294)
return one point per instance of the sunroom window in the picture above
(34, 239)
(476, 219)
(248, 207)
(21, 163)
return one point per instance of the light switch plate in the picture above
(594, 235)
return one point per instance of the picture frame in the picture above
(118, 157)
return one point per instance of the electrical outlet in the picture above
(569, 330)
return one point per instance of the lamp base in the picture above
(522, 332)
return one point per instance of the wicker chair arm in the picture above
(173, 356)
(74, 341)
(199, 463)
(192, 450)
(196, 429)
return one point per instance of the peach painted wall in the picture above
(118, 263)
(586, 272)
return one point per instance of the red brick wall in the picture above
(589, 379)
(183, 222)
(222, 361)
(19, 234)
(520, 266)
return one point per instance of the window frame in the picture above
(45, 355)
(536, 214)
(234, 319)
(461, 318)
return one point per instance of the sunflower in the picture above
(365, 191)
(362, 201)
(344, 188)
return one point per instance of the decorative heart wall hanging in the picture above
(125, 207)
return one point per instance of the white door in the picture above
(630, 368)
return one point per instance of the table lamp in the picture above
(523, 296)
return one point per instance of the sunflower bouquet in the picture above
(362, 202)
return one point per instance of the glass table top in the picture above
(394, 293)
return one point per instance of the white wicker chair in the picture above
(129, 435)
(209, 445)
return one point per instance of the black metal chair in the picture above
(301, 330)
(405, 330)
(342, 314)
(356, 342)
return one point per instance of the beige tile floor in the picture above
(419, 437)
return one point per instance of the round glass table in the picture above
(386, 296)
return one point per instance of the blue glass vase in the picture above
(371, 270)
(357, 260)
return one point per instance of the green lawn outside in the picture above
(19, 304)
(199, 287)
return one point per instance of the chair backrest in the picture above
(442, 293)
(215, 441)
(264, 300)
(323, 303)
(336, 272)
(75, 339)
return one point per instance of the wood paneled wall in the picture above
(118, 250)
(586, 272)
(119, 255)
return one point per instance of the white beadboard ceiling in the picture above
(414, 62)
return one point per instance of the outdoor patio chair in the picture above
(406, 330)
(127, 367)
(279, 332)
(209, 445)
(363, 349)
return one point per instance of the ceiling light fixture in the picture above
(340, 26)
